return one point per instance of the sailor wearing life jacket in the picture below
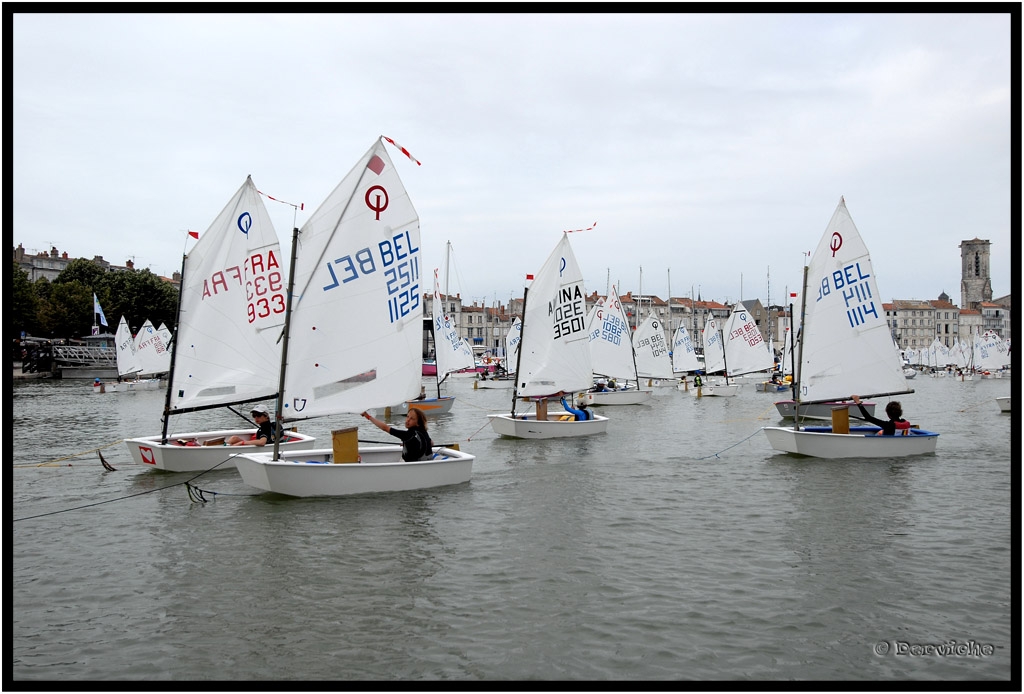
(895, 423)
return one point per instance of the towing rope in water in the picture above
(715, 455)
(478, 430)
(107, 466)
(76, 508)
(53, 463)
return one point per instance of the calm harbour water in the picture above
(678, 546)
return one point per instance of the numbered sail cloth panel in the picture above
(357, 274)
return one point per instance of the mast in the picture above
(799, 360)
(284, 338)
(519, 354)
(437, 376)
(771, 345)
(725, 358)
(671, 327)
(693, 316)
(639, 310)
(174, 352)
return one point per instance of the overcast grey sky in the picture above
(710, 149)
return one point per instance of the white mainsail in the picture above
(847, 346)
(151, 350)
(512, 339)
(226, 347)
(555, 352)
(652, 359)
(787, 354)
(940, 354)
(714, 354)
(355, 327)
(684, 355)
(127, 359)
(990, 352)
(611, 350)
(745, 349)
(451, 351)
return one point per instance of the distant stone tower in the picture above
(975, 277)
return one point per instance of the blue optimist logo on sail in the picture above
(244, 223)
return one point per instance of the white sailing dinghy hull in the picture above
(128, 386)
(187, 452)
(666, 383)
(631, 396)
(380, 469)
(526, 426)
(429, 406)
(720, 390)
(861, 442)
(1004, 403)
(494, 384)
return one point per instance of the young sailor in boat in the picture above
(895, 412)
(416, 443)
(264, 434)
(580, 414)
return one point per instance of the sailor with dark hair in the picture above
(889, 428)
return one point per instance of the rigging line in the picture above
(148, 491)
(470, 438)
(73, 455)
(977, 404)
(715, 455)
(473, 404)
(196, 493)
(98, 503)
